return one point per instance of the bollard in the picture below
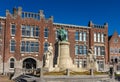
(41, 72)
(67, 72)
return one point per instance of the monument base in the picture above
(64, 59)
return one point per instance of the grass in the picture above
(5, 79)
(75, 73)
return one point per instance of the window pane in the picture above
(37, 31)
(80, 36)
(12, 46)
(13, 29)
(46, 32)
(81, 49)
(22, 46)
(76, 35)
(23, 30)
(94, 37)
(12, 63)
(76, 50)
(45, 46)
(84, 36)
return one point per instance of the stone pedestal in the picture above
(64, 59)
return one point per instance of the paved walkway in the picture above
(5, 79)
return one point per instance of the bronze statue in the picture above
(62, 34)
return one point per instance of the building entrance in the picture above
(29, 63)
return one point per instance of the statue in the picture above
(91, 58)
(49, 57)
(62, 34)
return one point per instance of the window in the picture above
(111, 51)
(37, 32)
(100, 65)
(94, 37)
(29, 47)
(80, 36)
(27, 30)
(30, 31)
(84, 50)
(80, 49)
(45, 46)
(46, 32)
(13, 29)
(84, 36)
(12, 63)
(115, 40)
(12, 46)
(116, 51)
(99, 51)
(56, 33)
(84, 64)
(102, 37)
(95, 50)
(76, 35)
(119, 50)
(76, 50)
(98, 37)
(66, 34)
(102, 50)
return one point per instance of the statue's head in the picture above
(50, 44)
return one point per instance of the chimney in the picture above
(19, 11)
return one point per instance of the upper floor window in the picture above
(102, 50)
(102, 37)
(98, 37)
(84, 36)
(80, 36)
(12, 61)
(76, 35)
(45, 46)
(85, 50)
(46, 31)
(12, 46)
(80, 50)
(115, 40)
(13, 29)
(94, 37)
(30, 31)
(76, 50)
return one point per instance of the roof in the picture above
(2, 17)
(71, 25)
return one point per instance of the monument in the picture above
(64, 60)
(91, 61)
(49, 58)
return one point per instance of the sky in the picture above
(77, 12)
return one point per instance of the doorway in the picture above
(29, 63)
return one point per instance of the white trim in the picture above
(2, 17)
(70, 25)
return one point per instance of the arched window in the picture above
(45, 46)
(46, 33)
(12, 61)
(12, 46)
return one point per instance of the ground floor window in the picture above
(100, 65)
(12, 63)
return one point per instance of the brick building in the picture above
(114, 50)
(26, 35)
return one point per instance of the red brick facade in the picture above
(42, 23)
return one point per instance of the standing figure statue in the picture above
(62, 34)
(49, 57)
(91, 58)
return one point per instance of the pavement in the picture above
(5, 79)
